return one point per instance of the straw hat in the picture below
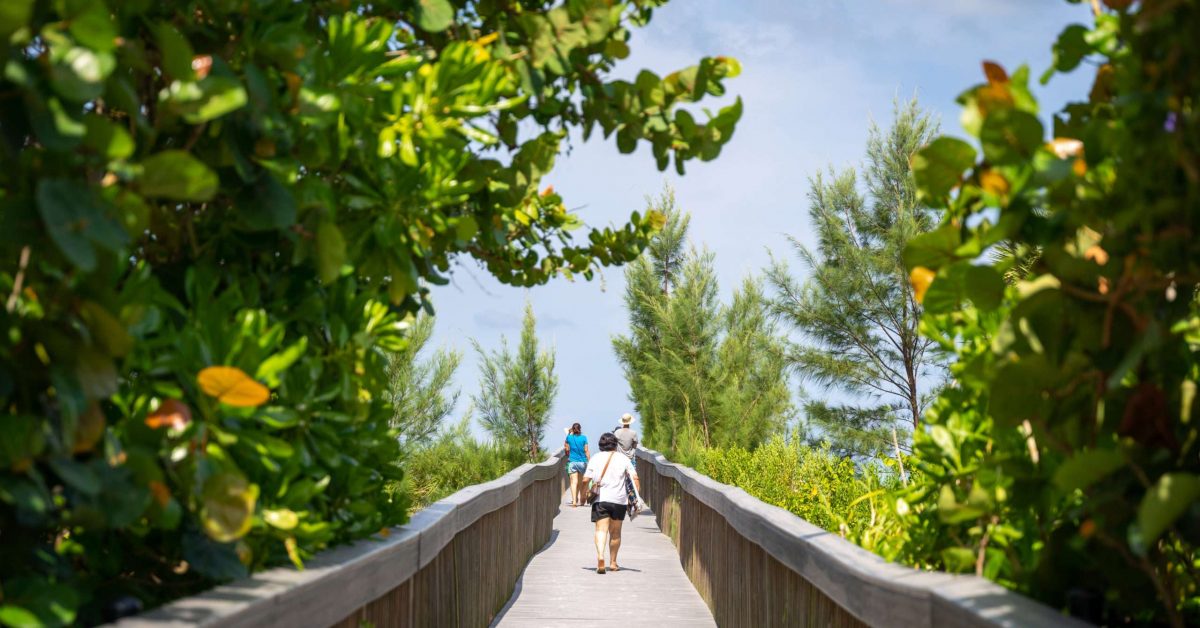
(626, 419)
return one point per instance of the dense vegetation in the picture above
(1062, 460)
(217, 216)
(452, 460)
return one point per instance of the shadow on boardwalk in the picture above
(560, 586)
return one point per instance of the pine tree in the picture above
(517, 391)
(856, 312)
(419, 388)
(700, 373)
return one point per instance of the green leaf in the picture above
(984, 287)
(227, 506)
(18, 617)
(958, 559)
(1086, 468)
(933, 249)
(76, 475)
(1170, 497)
(106, 329)
(331, 251)
(94, 27)
(217, 96)
(271, 367)
(106, 138)
(282, 518)
(218, 561)
(78, 74)
(14, 14)
(1010, 136)
(266, 206)
(939, 167)
(1069, 50)
(434, 16)
(177, 176)
(76, 222)
(175, 53)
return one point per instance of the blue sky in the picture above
(815, 74)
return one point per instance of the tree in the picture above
(857, 313)
(517, 391)
(1063, 461)
(419, 397)
(216, 217)
(700, 373)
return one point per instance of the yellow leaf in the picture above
(487, 39)
(293, 552)
(283, 518)
(993, 182)
(921, 277)
(233, 386)
(227, 505)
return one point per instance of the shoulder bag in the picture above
(594, 494)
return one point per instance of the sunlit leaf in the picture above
(227, 506)
(233, 386)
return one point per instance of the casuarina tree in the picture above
(700, 373)
(855, 315)
(517, 391)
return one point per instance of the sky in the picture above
(815, 75)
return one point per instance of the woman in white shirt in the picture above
(607, 470)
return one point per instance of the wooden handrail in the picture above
(854, 585)
(398, 579)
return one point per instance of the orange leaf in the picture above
(994, 72)
(993, 182)
(171, 413)
(201, 65)
(921, 277)
(161, 493)
(1096, 254)
(233, 386)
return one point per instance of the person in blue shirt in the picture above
(576, 447)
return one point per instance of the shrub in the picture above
(216, 216)
(817, 486)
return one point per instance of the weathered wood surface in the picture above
(560, 587)
(759, 565)
(454, 563)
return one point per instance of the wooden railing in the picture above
(454, 564)
(759, 565)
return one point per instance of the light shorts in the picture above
(576, 467)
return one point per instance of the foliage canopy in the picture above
(264, 187)
(1065, 460)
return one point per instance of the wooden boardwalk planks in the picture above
(560, 586)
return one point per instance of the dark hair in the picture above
(608, 442)
(575, 429)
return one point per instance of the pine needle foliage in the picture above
(701, 373)
(420, 388)
(517, 391)
(856, 314)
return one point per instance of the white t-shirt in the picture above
(612, 485)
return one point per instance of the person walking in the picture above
(611, 502)
(576, 447)
(627, 440)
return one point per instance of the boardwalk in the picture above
(560, 586)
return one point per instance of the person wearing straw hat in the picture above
(627, 440)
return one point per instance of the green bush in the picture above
(215, 217)
(826, 490)
(455, 460)
(1064, 461)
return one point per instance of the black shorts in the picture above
(608, 510)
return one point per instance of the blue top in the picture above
(577, 442)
